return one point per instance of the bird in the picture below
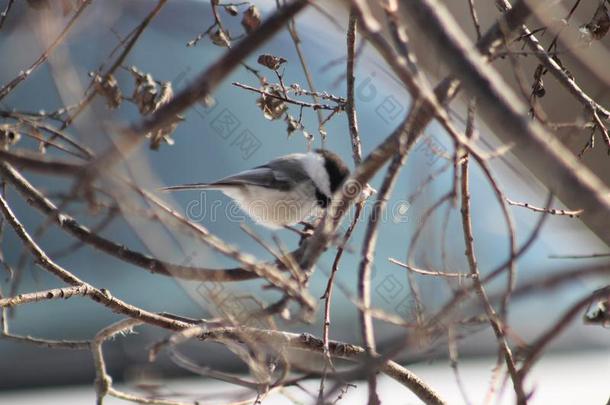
(284, 191)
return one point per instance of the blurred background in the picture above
(207, 147)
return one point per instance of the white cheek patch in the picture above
(314, 166)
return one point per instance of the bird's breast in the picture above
(275, 208)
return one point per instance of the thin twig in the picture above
(585, 256)
(292, 29)
(24, 74)
(350, 105)
(474, 270)
(551, 211)
(134, 36)
(201, 87)
(286, 99)
(5, 12)
(367, 258)
(475, 18)
(429, 272)
(57, 293)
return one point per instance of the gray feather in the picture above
(283, 173)
(191, 186)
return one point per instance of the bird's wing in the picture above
(283, 173)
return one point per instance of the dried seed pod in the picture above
(232, 10)
(145, 94)
(220, 38)
(251, 19)
(271, 61)
(164, 134)
(166, 94)
(293, 124)
(308, 137)
(272, 107)
(323, 132)
(109, 88)
(149, 98)
(135, 72)
(538, 89)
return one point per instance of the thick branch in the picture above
(37, 200)
(544, 155)
(340, 350)
(98, 295)
(56, 293)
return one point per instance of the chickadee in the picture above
(284, 191)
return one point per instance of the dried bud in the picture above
(293, 124)
(323, 132)
(308, 137)
(208, 101)
(162, 135)
(138, 76)
(599, 25)
(272, 107)
(251, 19)
(232, 10)
(166, 94)
(220, 38)
(149, 98)
(145, 94)
(538, 88)
(8, 136)
(108, 88)
(270, 61)
(145, 97)
(600, 314)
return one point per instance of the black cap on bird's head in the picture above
(335, 167)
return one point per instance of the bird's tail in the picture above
(192, 186)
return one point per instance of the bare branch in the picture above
(576, 185)
(10, 86)
(202, 86)
(350, 106)
(70, 225)
(552, 211)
